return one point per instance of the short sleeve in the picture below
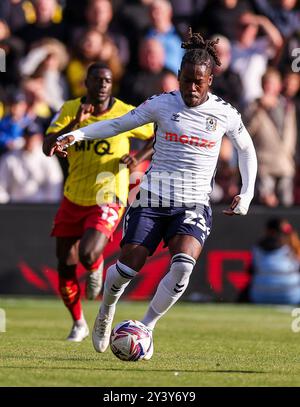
(60, 120)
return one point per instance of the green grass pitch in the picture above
(194, 345)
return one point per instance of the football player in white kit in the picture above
(173, 203)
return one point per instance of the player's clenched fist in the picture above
(129, 160)
(236, 207)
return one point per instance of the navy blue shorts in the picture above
(148, 226)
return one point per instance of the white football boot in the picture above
(78, 332)
(101, 332)
(149, 354)
(94, 283)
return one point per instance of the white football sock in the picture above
(170, 289)
(117, 279)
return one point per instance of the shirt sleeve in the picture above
(247, 160)
(143, 114)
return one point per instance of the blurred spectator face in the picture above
(91, 45)
(271, 83)
(4, 30)
(34, 90)
(160, 13)
(18, 110)
(99, 85)
(99, 13)
(151, 55)
(247, 32)
(45, 10)
(229, 3)
(169, 82)
(291, 84)
(288, 4)
(223, 48)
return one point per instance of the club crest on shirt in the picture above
(175, 117)
(211, 123)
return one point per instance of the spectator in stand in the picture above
(169, 82)
(1, 102)
(275, 265)
(92, 48)
(291, 91)
(164, 31)
(14, 49)
(12, 125)
(185, 14)
(27, 175)
(282, 14)
(99, 16)
(227, 178)
(250, 55)
(138, 86)
(47, 23)
(17, 13)
(134, 15)
(222, 16)
(38, 109)
(272, 125)
(226, 84)
(286, 18)
(4, 30)
(47, 59)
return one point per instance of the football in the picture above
(130, 340)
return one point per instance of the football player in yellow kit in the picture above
(95, 192)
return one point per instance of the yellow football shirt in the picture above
(95, 173)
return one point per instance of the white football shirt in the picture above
(187, 145)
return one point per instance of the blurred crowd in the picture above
(49, 44)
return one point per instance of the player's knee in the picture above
(182, 266)
(134, 258)
(88, 257)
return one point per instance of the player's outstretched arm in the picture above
(248, 169)
(105, 128)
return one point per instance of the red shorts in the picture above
(73, 220)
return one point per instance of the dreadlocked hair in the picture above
(200, 51)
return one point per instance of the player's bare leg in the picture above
(91, 248)
(184, 251)
(66, 251)
(118, 277)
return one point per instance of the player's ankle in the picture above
(107, 311)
